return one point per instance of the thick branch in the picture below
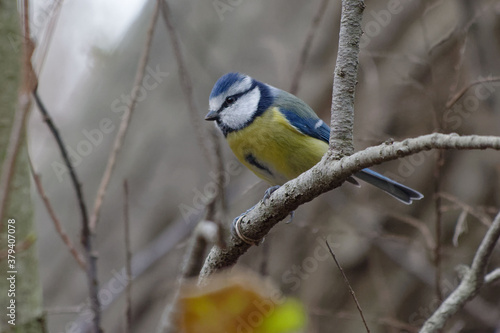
(345, 78)
(470, 284)
(325, 176)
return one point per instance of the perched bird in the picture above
(277, 135)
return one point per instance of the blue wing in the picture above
(314, 127)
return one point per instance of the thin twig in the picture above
(220, 195)
(57, 224)
(481, 216)
(128, 258)
(306, 48)
(144, 259)
(86, 238)
(462, 92)
(470, 285)
(492, 276)
(23, 106)
(419, 225)
(205, 233)
(62, 148)
(351, 291)
(438, 225)
(127, 116)
(185, 79)
(46, 39)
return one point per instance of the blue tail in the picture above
(398, 191)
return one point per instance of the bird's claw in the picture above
(270, 191)
(236, 230)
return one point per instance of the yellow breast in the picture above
(274, 150)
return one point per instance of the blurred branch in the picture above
(437, 210)
(208, 231)
(325, 176)
(86, 239)
(186, 84)
(471, 282)
(493, 276)
(127, 116)
(205, 233)
(345, 79)
(306, 48)
(128, 258)
(462, 92)
(145, 259)
(419, 225)
(62, 148)
(351, 291)
(477, 213)
(57, 224)
(43, 46)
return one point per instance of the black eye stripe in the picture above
(235, 97)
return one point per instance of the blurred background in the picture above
(416, 56)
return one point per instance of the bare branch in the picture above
(345, 79)
(185, 79)
(325, 176)
(57, 224)
(306, 48)
(205, 233)
(77, 185)
(351, 291)
(86, 239)
(128, 258)
(127, 116)
(471, 282)
(462, 92)
(419, 225)
(492, 277)
(476, 212)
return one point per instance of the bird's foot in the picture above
(270, 191)
(236, 230)
(236, 227)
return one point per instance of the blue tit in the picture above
(277, 135)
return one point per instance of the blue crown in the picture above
(225, 82)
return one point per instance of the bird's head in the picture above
(236, 100)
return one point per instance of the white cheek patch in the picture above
(242, 111)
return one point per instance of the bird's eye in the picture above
(230, 100)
